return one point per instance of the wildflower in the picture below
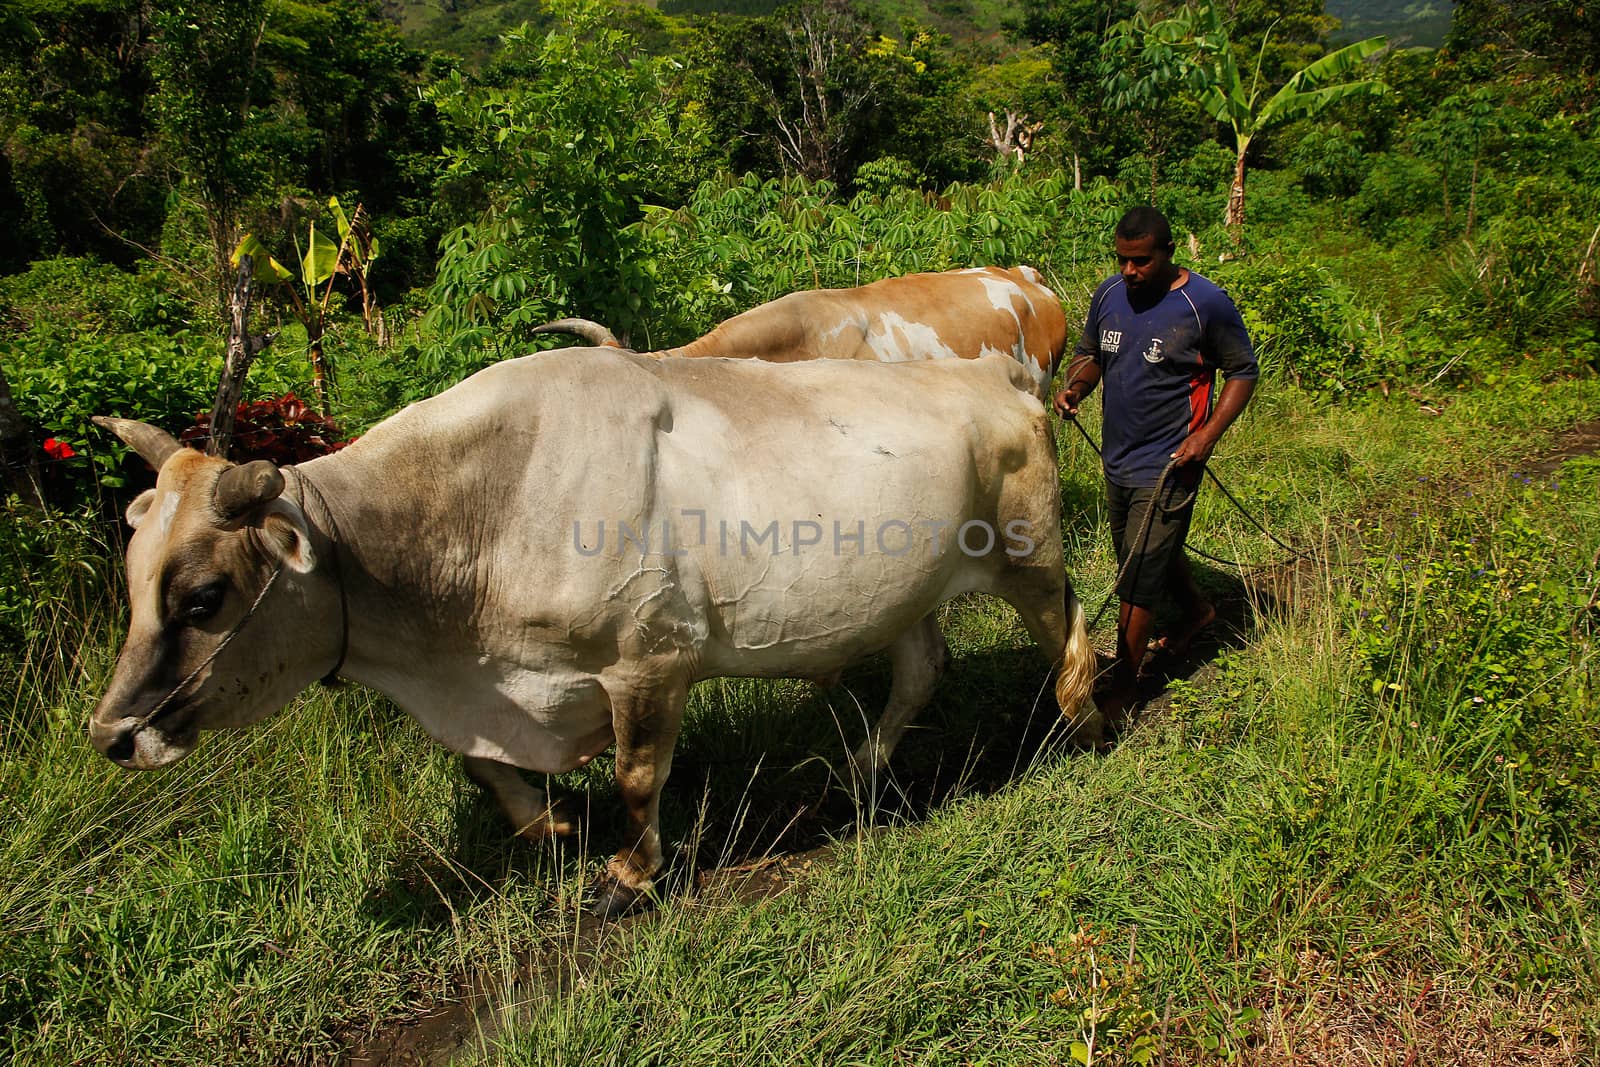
(1413, 724)
(1499, 759)
(1477, 700)
(58, 449)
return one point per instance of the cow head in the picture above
(207, 540)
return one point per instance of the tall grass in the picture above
(1259, 866)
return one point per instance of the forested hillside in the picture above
(1422, 24)
(1363, 829)
(469, 28)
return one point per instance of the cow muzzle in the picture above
(138, 745)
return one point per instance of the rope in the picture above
(141, 721)
(1144, 535)
(1295, 552)
(332, 677)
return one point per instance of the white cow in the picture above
(539, 563)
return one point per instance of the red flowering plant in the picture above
(58, 450)
(280, 429)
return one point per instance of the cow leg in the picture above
(646, 723)
(918, 657)
(525, 806)
(1054, 617)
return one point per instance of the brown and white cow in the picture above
(538, 563)
(955, 314)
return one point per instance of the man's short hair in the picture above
(1145, 222)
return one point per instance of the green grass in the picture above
(1278, 858)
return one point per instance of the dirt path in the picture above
(486, 1008)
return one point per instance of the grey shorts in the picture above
(1146, 579)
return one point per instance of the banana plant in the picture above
(1226, 97)
(320, 263)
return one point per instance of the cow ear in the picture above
(287, 538)
(140, 508)
(240, 490)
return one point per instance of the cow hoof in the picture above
(564, 818)
(613, 900)
(1088, 731)
(559, 819)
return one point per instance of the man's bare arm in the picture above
(1082, 376)
(1198, 446)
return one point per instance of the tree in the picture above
(1226, 97)
(206, 69)
(346, 70)
(804, 80)
(1073, 31)
(1143, 64)
(320, 263)
(75, 164)
(1021, 100)
(560, 143)
(1564, 33)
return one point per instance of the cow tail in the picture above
(1075, 680)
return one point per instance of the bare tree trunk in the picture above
(1472, 197)
(1077, 173)
(16, 449)
(1012, 146)
(1446, 169)
(1156, 141)
(1235, 214)
(319, 360)
(242, 350)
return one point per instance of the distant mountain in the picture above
(963, 20)
(471, 28)
(1420, 24)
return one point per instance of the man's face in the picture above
(1145, 265)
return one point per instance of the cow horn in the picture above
(592, 332)
(155, 446)
(240, 489)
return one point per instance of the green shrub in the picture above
(60, 381)
(1468, 625)
(1303, 324)
(741, 241)
(1399, 190)
(1329, 160)
(1522, 280)
(87, 295)
(1194, 190)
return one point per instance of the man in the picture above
(1156, 334)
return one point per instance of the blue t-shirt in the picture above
(1158, 370)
